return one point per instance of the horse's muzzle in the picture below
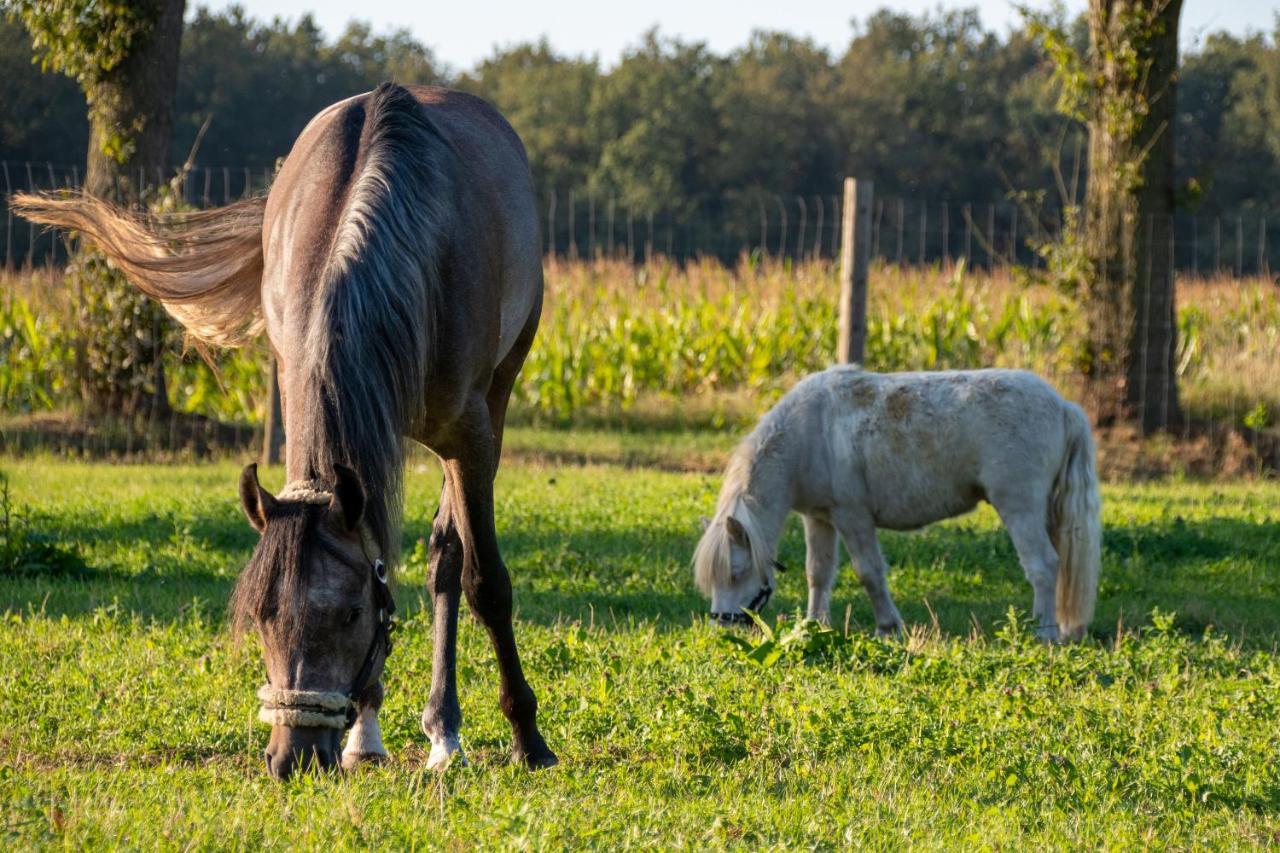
(294, 749)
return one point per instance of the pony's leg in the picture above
(487, 585)
(820, 566)
(364, 744)
(443, 716)
(1025, 521)
(859, 535)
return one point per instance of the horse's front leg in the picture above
(821, 563)
(442, 717)
(364, 744)
(859, 534)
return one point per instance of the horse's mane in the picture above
(370, 331)
(274, 580)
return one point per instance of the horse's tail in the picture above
(205, 266)
(1075, 526)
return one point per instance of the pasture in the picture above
(131, 715)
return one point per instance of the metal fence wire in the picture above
(579, 223)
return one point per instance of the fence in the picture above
(578, 223)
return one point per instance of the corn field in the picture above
(701, 336)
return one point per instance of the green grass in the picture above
(130, 709)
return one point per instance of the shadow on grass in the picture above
(1215, 572)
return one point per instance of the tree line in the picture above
(932, 107)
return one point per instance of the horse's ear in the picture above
(737, 533)
(257, 502)
(347, 506)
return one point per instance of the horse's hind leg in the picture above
(821, 562)
(1025, 520)
(443, 716)
(859, 535)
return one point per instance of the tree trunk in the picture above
(1129, 212)
(130, 123)
(131, 111)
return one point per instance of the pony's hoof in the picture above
(355, 760)
(1049, 634)
(445, 754)
(890, 632)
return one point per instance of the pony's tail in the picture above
(205, 266)
(1075, 526)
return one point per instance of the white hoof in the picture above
(1049, 634)
(352, 759)
(445, 752)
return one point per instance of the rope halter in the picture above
(331, 708)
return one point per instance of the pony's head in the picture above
(732, 565)
(322, 609)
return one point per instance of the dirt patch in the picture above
(1199, 449)
(173, 437)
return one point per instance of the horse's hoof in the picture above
(355, 760)
(445, 754)
(536, 759)
(889, 632)
(534, 755)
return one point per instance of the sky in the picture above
(461, 34)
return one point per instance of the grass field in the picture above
(131, 709)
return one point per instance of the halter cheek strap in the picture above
(331, 708)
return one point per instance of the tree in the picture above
(774, 102)
(546, 97)
(1124, 88)
(657, 126)
(124, 55)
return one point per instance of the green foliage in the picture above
(26, 551)
(124, 338)
(139, 713)
(37, 357)
(84, 39)
(933, 106)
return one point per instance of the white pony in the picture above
(853, 451)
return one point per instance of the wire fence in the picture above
(579, 223)
(904, 231)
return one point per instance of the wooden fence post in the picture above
(855, 255)
(273, 425)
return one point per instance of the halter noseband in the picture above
(331, 708)
(755, 605)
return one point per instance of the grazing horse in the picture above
(396, 266)
(853, 451)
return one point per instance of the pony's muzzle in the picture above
(295, 749)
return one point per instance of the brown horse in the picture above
(396, 266)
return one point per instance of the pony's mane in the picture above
(370, 333)
(712, 566)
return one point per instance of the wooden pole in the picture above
(855, 254)
(273, 426)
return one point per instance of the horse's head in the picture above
(323, 610)
(732, 568)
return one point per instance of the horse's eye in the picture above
(353, 615)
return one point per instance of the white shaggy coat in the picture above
(854, 451)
